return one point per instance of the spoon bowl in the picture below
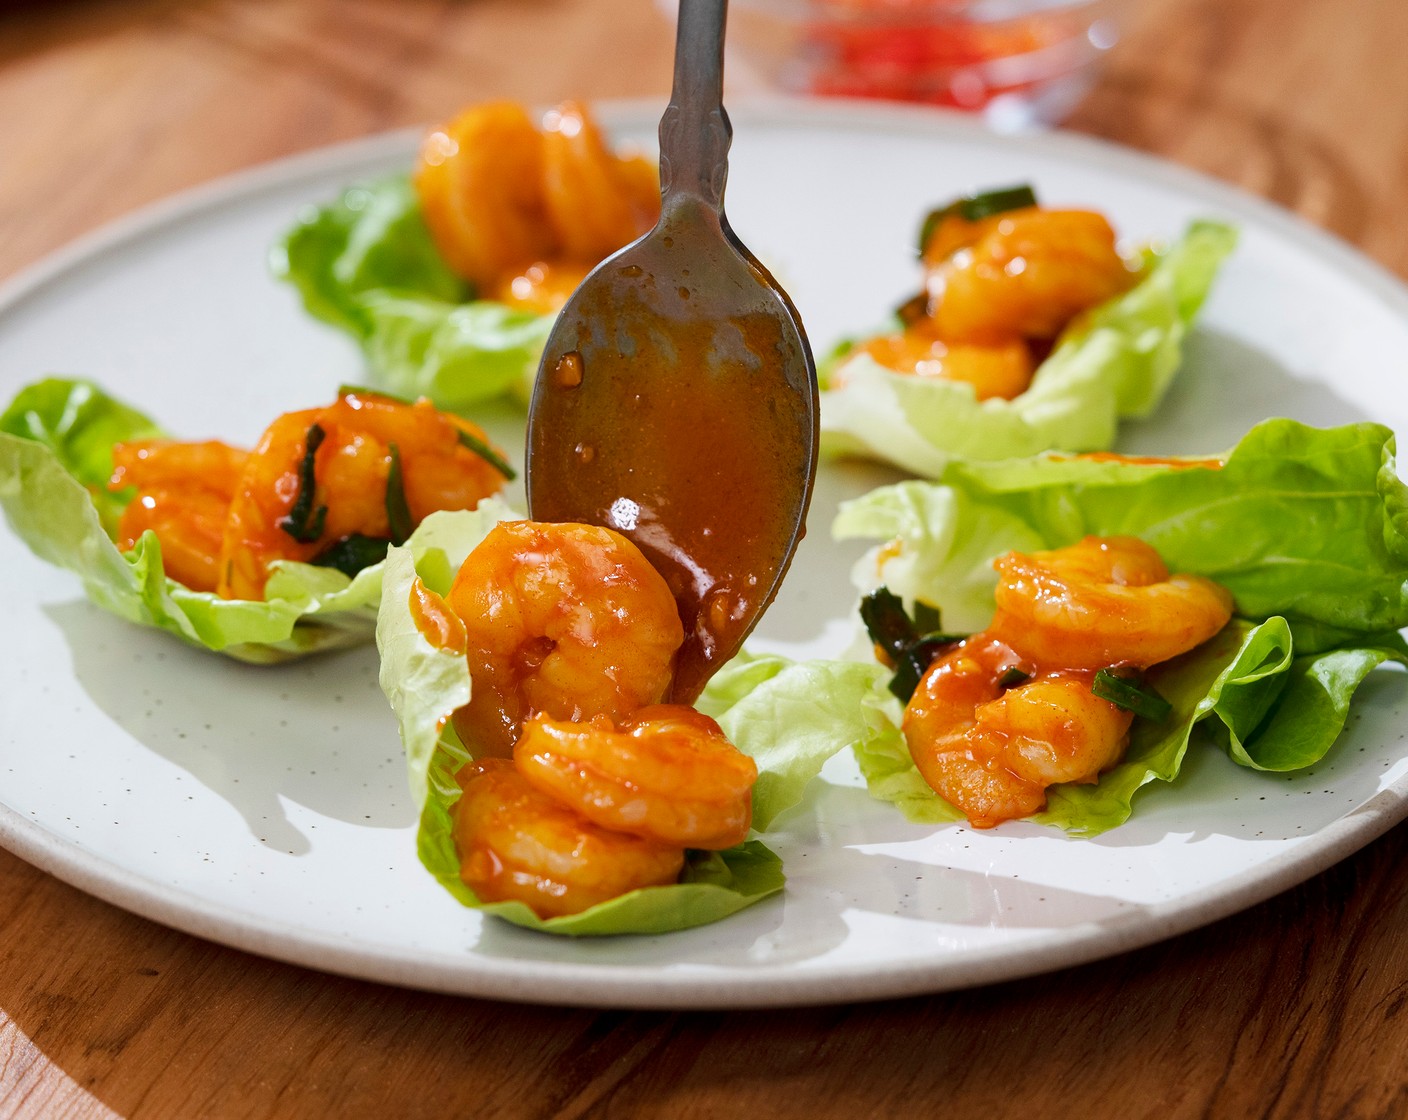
(676, 402)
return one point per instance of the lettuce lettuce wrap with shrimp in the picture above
(449, 280)
(56, 457)
(1307, 528)
(365, 264)
(1115, 361)
(789, 717)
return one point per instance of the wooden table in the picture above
(1292, 1009)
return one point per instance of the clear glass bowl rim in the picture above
(909, 13)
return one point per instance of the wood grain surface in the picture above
(1295, 1008)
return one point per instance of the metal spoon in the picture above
(676, 401)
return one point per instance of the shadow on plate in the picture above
(805, 611)
(1223, 381)
(316, 732)
(835, 891)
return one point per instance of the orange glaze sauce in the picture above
(701, 500)
(1175, 462)
(435, 621)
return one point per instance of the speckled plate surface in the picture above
(266, 808)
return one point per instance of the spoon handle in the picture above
(695, 133)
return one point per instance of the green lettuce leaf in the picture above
(1307, 528)
(790, 718)
(56, 442)
(365, 263)
(1117, 361)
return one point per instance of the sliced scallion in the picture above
(1012, 677)
(975, 208)
(1132, 696)
(914, 662)
(304, 523)
(398, 511)
(488, 454)
(927, 619)
(886, 622)
(353, 553)
(910, 645)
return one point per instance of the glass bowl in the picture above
(1019, 62)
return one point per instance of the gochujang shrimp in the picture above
(523, 212)
(1000, 716)
(328, 486)
(998, 291)
(1001, 370)
(596, 200)
(183, 496)
(357, 475)
(1101, 602)
(516, 843)
(570, 637)
(665, 772)
(1025, 274)
(992, 751)
(479, 181)
(565, 620)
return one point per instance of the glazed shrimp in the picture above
(666, 773)
(1062, 616)
(540, 287)
(183, 496)
(516, 843)
(479, 179)
(1103, 602)
(1027, 274)
(566, 620)
(520, 211)
(991, 752)
(347, 452)
(1002, 370)
(596, 201)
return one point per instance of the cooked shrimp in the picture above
(666, 773)
(1062, 615)
(940, 728)
(502, 197)
(1027, 274)
(480, 184)
(354, 443)
(541, 287)
(183, 495)
(1103, 602)
(570, 621)
(155, 463)
(992, 752)
(1056, 729)
(594, 205)
(1000, 370)
(516, 843)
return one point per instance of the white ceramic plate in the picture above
(266, 808)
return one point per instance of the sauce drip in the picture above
(435, 621)
(568, 371)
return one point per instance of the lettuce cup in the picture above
(1301, 533)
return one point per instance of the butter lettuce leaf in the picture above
(56, 441)
(1307, 528)
(789, 717)
(1116, 361)
(365, 264)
